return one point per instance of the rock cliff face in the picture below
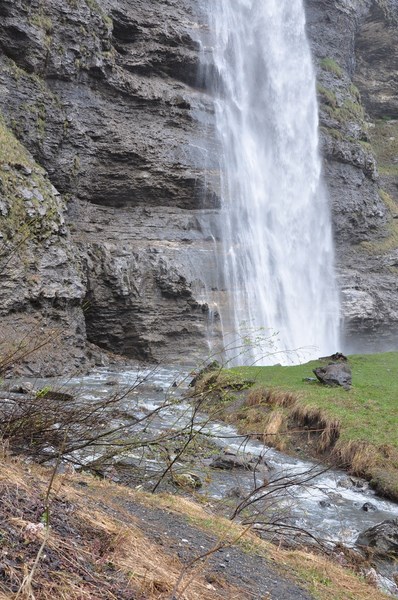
(104, 95)
(107, 98)
(355, 45)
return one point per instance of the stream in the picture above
(329, 506)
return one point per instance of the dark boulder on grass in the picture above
(382, 538)
(335, 375)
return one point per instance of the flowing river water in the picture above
(276, 254)
(328, 506)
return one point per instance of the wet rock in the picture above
(25, 387)
(354, 483)
(235, 492)
(378, 580)
(325, 503)
(187, 480)
(369, 507)
(382, 538)
(228, 461)
(335, 375)
(52, 395)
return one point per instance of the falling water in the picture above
(278, 273)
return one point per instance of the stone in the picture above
(335, 374)
(187, 480)
(228, 461)
(23, 169)
(52, 395)
(26, 387)
(235, 492)
(382, 538)
(337, 356)
(369, 507)
(325, 504)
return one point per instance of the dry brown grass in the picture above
(260, 396)
(326, 430)
(281, 415)
(359, 457)
(92, 551)
(97, 549)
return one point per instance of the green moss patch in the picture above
(390, 241)
(384, 138)
(330, 65)
(30, 211)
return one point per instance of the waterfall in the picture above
(278, 277)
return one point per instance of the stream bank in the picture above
(287, 408)
(291, 494)
(108, 540)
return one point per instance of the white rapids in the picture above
(278, 273)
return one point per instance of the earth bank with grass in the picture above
(354, 429)
(108, 541)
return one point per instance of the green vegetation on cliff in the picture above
(30, 208)
(329, 64)
(384, 137)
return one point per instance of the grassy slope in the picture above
(96, 549)
(368, 412)
(354, 429)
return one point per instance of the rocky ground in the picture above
(108, 541)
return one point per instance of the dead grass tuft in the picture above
(271, 397)
(359, 457)
(319, 425)
(275, 430)
(92, 551)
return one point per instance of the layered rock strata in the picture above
(354, 45)
(108, 99)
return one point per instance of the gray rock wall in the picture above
(108, 98)
(343, 35)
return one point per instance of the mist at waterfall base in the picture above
(279, 301)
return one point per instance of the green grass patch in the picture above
(384, 139)
(390, 242)
(336, 134)
(327, 96)
(368, 412)
(24, 220)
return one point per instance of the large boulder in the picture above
(383, 538)
(335, 374)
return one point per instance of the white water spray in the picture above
(277, 238)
